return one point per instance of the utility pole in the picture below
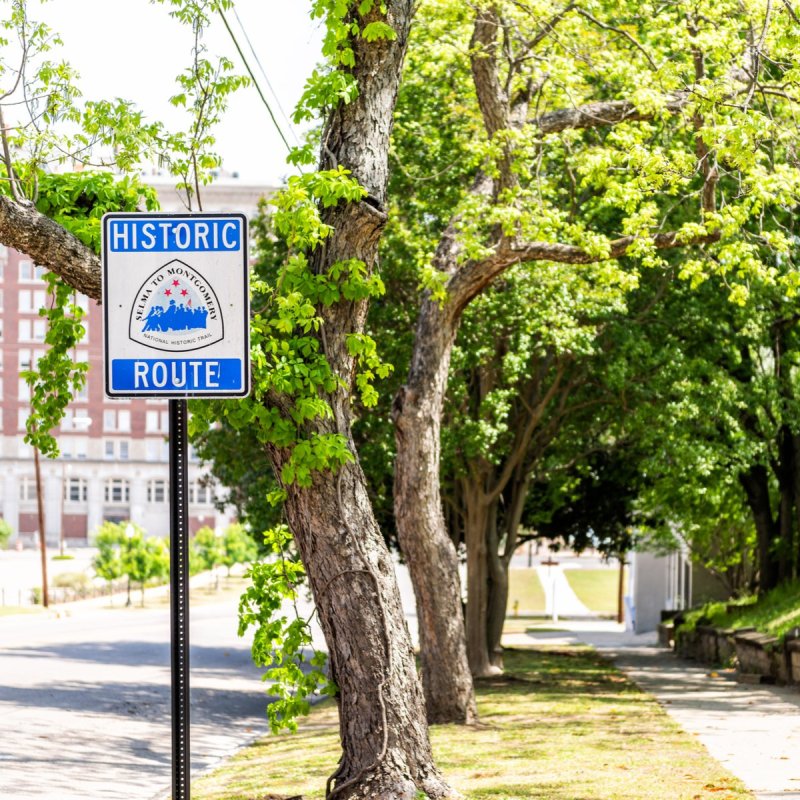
(42, 535)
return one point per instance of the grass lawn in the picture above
(776, 613)
(596, 588)
(524, 586)
(561, 725)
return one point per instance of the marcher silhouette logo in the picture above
(176, 309)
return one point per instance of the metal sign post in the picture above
(179, 596)
(176, 314)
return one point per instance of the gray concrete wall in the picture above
(649, 579)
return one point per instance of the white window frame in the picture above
(157, 490)
(27, 489)
(77, 486)
(117, 486)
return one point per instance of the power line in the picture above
(266, 78)
(255, 82)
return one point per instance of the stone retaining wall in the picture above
(758, 658)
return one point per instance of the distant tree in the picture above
(208, 548)
(144, 559)
(109, 541)
(595, 506)
(5, 534)
(238, 547)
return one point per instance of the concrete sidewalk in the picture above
(753, 731)
(559, 593)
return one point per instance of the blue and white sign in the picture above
(175, 293)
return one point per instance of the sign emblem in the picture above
(176, 309)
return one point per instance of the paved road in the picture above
(84, 701)
(753, 731)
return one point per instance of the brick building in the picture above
(114, 453)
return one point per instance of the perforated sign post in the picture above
(176, 312)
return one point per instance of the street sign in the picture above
(176, 307)
(177, 320)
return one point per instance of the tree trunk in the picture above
(756, 485)
(42, 533)
(477, 515)
(386, 752)
(785, 549)
(384, 735)
(499, 563)
(621, 589)
(796, 488)
(422, 533)
(496, 608)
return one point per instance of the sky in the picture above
(132, 49)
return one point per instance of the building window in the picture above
(82, 395)
(23, 391)
(28, 272)
(24, 359)
(39, 330)
(124, 451)
(117, 421)
(156, 422)
(74, 447)
(156, 450)
(22, 419)
(157, 491)
(200, 494)
(75, 490)
(27, 489)
(31, 300)
(109, 451)
(25, 330)
(1, 294)
(118, 490)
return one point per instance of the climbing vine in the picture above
(291, 373)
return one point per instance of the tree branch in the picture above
(621, 32)
(492, 99)
(474, 276)
(596, 115)
(49, 245)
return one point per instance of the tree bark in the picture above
(428, 549)
(497, 601)
(500, 562)
(476, 520)
(756, 485)
(786, 516)
(796, 488)
(386, 751)
(384, 735)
